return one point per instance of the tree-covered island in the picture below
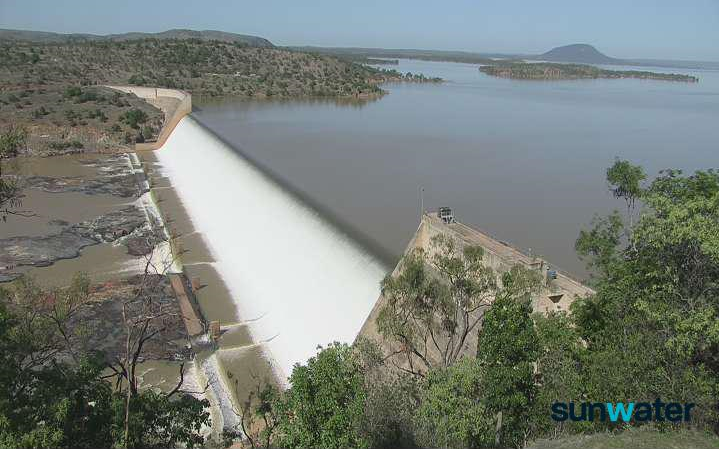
(558, 71)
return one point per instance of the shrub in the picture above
(451, 414)
(73, 91)
(134, 117)
(324, 403)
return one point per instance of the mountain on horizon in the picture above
(582, 53)
(205, 35)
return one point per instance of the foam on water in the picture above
(308, 282)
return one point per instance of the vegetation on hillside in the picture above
(558, 71)
(54, 89)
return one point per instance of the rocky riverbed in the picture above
(101, 318)
(126, 226)
(88, 214)
(103, 177)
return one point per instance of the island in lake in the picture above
(558, 71)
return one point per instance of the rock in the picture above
(103, 318)
(138, 245)
(58, 223)
(112, 226)
(42, 251)
(113, 177)
(8, 277)
(45, 250)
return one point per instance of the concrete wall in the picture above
(555, 295)
(174, 103)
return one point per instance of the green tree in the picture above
(507, 351)
(391, 399)
(655, 315)
(324, 402)
(560, 372)
(435, 304)
(53, 392)
(599, 246)
(134, 118)
(625, 182)
(450, 413)
(11, 141)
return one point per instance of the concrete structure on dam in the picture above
(557, 293)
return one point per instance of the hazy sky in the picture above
(622, 28)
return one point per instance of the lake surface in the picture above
(522, 160)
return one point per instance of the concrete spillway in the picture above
(297, 279)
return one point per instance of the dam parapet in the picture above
(559, 289)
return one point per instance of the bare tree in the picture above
(43, 319)
(10, 191)
(145, 318)
(258, 413)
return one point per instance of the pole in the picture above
(421, 202)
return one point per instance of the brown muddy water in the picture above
(51, 211)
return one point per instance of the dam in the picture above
(278, 277)
(286, 267)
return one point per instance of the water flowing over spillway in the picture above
(295, 277)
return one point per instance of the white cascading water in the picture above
(308, 282)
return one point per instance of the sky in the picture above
(662, 29)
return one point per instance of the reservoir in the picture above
(523, 160)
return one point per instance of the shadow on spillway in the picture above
(284, 258)
(389, 259)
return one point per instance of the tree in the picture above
(431, 317)
(625, 182)
(391, 400)
(53, 389)
(145, 318)
(599, 245)
(258, 413)
(560, 362)
(11, 141)
(134, 117)
(45, 400)
(451, 413)
(507, 351)
(655, 315)
(324, 402)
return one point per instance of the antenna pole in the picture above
(421, 202)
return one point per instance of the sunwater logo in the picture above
(615, 411)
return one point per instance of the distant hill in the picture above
(576, 53)
(583, 53)
(405, 53)
(204, 35)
